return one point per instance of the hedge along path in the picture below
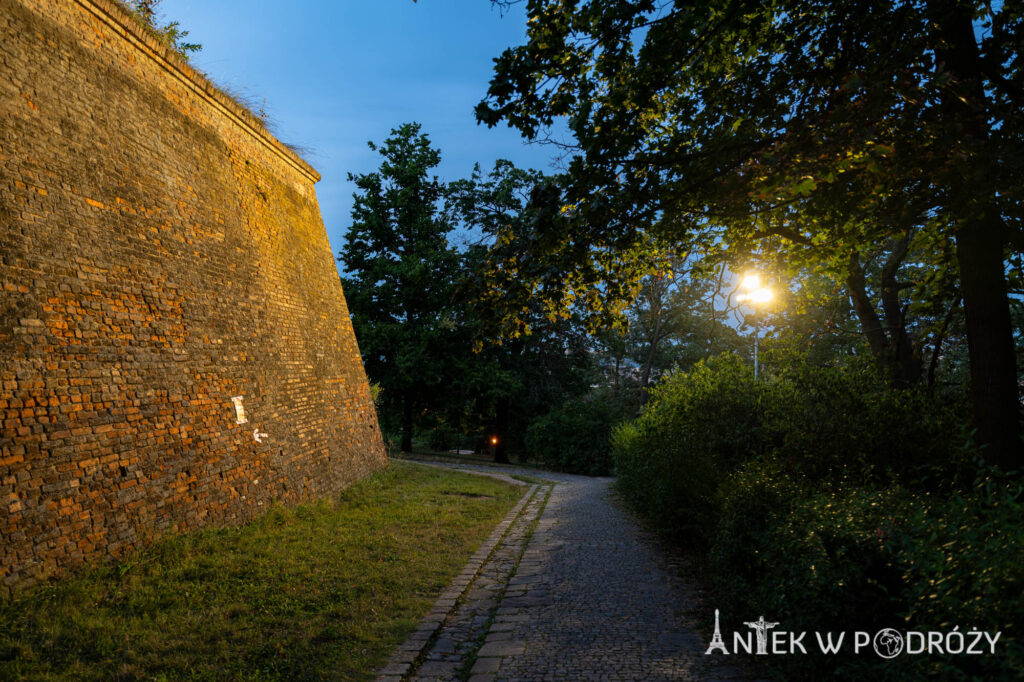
(590, 597)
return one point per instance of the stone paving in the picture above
(450, 655)
(572, 590)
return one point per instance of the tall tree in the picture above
(679, 317)
(748, 116)
(515, 380)
(399, 278)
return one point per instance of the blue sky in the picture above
(335, 74)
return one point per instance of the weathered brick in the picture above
(161, 253)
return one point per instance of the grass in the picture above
(322, 591)
(530, 479)
(425, 454)
(171, 35)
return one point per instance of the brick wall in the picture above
(160, 253)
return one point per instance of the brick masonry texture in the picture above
(160, 253)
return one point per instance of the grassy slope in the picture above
(323, 591)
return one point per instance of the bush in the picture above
(697, 427)
(442, 437)
(962, 566)
(830, 501)
(813, 558)
(843, 420)
(827, 424)
(860, 558)
(575, 436)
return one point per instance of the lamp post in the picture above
(754, 294)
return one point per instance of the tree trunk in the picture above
(891, 346)
(904, 362)
(981, 237)
(645, 374)
(865, 311)
(407, 423)
(940, 337)
(979, 250)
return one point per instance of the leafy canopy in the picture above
(400, 272)
(817, 126)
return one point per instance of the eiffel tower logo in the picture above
(716, 639)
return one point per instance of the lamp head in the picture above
(754, 293)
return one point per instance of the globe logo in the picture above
(888, 643)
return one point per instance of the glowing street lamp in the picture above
(754, 295)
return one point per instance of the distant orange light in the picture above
(494, 440)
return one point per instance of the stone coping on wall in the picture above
(121, 21)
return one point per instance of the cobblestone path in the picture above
(573, 590)
(463, 632)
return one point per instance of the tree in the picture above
(898, 286)
(678, 319)
(680, 316)
(509, 383)
(399, 278)
(734, 122)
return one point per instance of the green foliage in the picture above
(876, 145)
(842, 421)
(673, 324)
(147, 12)
(961, 562)
(494, 205)
(829, 500)
(812, 556)
(375, 391)
(831, 424)
(698, 108)
(576, 436)
(400, 272)
(442, 437)
(508, 381)
(815, 556)
(697, 427)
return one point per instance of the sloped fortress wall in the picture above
(160, 255)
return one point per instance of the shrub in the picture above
(813, 558)
(961, 558)
(824, 423)
(698, 426)
(576, 436)
(840, 420)
(442, 437)
(855, 557)
(830, 501)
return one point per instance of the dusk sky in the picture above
(337, 74)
